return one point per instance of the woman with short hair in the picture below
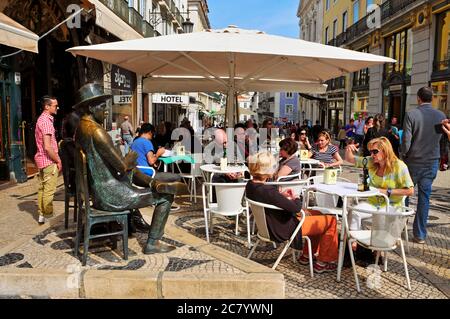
(289, 163)
(321, 229)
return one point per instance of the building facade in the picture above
(26, 76)
(415, 33)
(310, 14)
(288, 106)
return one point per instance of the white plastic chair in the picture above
(229, 203)
(406, 222)
(259, 211)
(387, 226)
(193, 175)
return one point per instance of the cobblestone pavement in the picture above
(52, 248)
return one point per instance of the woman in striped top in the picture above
(325, 152)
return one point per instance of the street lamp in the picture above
(157, 17)
(188, 26)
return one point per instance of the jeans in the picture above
(128, 139)
(422, 176)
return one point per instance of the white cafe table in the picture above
(345, 190)
(309, 161)
(215, 169)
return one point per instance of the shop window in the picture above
(440, 94)
(441, 56)
(355, 11)
(361, 77)
(399, 47)
(289, 109)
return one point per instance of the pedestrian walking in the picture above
(127, 133)
(47, 159)
(359, 129)
(420, 150)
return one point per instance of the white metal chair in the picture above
(385, 234)
(289, 177)
(258, 210)
(194, 175)
(325, 203)
(229, 203)
(293, 182)
(297, 186)
(147, 170)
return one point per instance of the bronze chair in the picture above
(67, 155)
(91, 216)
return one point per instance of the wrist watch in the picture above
(389, 192)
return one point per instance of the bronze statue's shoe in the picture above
(157, 248)
(138, 222)
(174, 188)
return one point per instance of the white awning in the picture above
(108, 20)
(15, 35)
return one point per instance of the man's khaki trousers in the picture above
(47, 178)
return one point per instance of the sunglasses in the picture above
(374, 152)
(302, 133)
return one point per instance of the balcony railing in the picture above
(360, 28)
(147, 30)
(135, 20)
(336, 83)
(130, 16)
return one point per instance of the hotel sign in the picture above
(170, 99)
(122, 99)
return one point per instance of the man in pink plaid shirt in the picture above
(47, 158)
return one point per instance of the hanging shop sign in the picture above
(122, 79)
(122, 99)
(170, 99)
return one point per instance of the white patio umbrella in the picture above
(242, 111)
(15, 35)
(231, 60)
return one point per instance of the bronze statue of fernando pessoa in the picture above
(111, 175)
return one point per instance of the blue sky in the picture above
(271, 16)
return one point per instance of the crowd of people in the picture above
(398, 160)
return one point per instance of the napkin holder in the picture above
(179, 150)
(330, 176)
(304, 154)
(223, 163)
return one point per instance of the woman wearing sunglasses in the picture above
(302, 139)
(386, 172)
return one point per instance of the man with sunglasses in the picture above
(47, 158)
(420, 151)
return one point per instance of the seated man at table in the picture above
(147, 156)
(213, 153)
(143, 146)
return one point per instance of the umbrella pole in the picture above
(229, 113)
(236, 104)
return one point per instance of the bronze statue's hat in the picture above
(90, 93)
